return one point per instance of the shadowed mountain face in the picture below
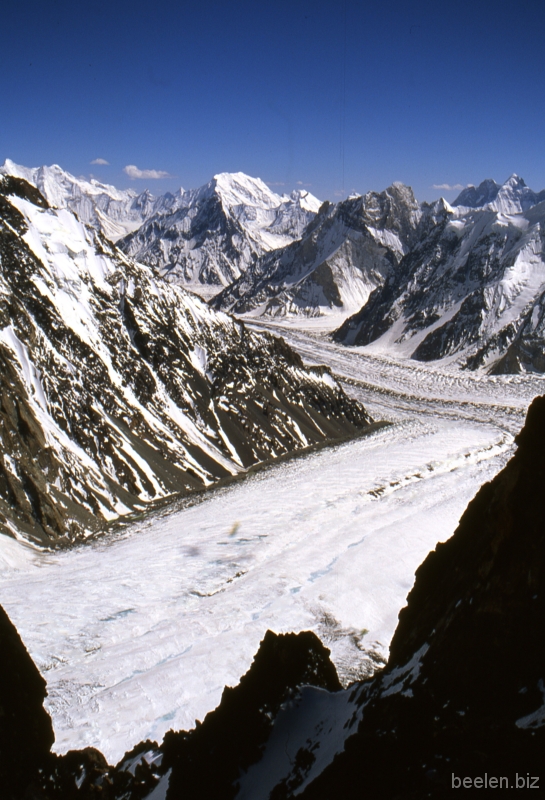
(26, 733)
(117, 389)
(462, 696)
(463, 693)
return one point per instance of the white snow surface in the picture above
(115, 212)
(139, 632)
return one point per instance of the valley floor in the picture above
(138, 633)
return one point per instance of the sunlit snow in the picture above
(139, 633)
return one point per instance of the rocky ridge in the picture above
(343, 255)
(471, 290)
(118, 389)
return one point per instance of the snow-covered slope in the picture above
(113, 211)
(345, 253)
(471, 289)
(220, 229)
(118, 389)
(512, 197)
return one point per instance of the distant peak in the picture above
(478, 196)
(514, 180)
(403, 191)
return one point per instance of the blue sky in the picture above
(332, 96)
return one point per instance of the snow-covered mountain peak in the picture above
(212, 234)
(444, 206)
(237, 188)
(57, 185)
(515, 180)
(113, 211)
(511, 197)
(9, 167)
(305, 200)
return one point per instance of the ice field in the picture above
(139, 632)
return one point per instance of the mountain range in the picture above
(347, 251)
(219, 230)
(471, 290)
(118, 389)
(462, 284)
(114, 212)
(201, 238)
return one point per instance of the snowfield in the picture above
(138, 633)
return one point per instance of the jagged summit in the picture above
(511, 197)
(470, 288)
(217, 231)
(342, 256)
(477, 196)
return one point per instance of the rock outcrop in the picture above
(26, 733)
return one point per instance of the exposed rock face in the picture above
(117, 389)
(344, 254)
(232, 737)
(463, 692)
(216, 232)
(26, 733)
(471, 289)
(204, 763)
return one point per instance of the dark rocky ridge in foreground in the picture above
(473, 701)
(462, 694)
(117, 389)
(26, 732)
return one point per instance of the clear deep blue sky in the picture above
(333, 96)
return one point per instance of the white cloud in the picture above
(275, 183)
(149, 174)
(99, 161)
(300, 183)
(447, 187)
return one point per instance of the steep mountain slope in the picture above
(112, 211)
(471, 286)
(460, 703)
(220, 229)
(346, 252)
(117, 389)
